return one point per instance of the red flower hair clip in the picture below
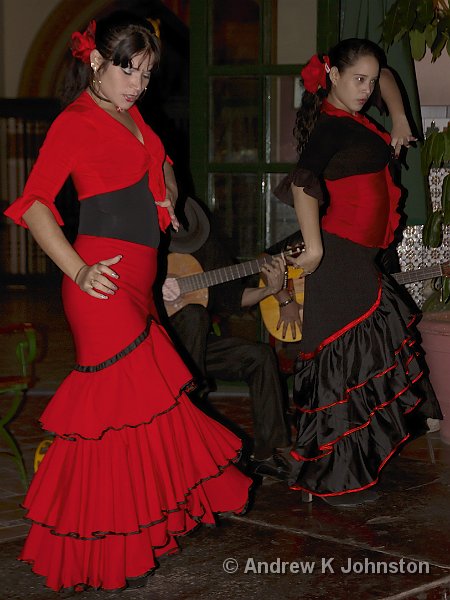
(82, 44)
(314, 74)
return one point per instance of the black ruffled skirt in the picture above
(360, 386)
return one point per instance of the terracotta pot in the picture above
(435, 331)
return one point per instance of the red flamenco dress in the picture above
(360, 382)
(134, 464)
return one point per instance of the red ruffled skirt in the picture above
(133, 464)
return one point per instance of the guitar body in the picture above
(179, 265)
(270, 310)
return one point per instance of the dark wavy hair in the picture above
(345, 54)
(118, 37)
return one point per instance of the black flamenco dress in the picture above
(134, 464)
(360, 376)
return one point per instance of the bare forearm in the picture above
(171, 183)
(252, 296)
(51, 239)
(391, 94)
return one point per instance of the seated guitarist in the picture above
(228, 357)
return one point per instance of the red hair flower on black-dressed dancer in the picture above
(314, 74)
(82, 44)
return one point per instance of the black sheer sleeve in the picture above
(321, 147)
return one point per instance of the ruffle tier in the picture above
(133, 465)
(134, 386)
(354, 396)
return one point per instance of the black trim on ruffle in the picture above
(99, 535)
(72, 437)
(110, 361)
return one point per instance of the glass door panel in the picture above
(234, 119)
(235, 201)
(234, 30)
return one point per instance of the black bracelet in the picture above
(285, 302)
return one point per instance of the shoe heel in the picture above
(306, 497)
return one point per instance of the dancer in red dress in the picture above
(134, 464)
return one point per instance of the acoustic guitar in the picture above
(194, 282)
(270, 310)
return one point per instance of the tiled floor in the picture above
(407, 529)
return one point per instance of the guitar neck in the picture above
(198, 281)
(418, 275)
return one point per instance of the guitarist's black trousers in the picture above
(236, 359)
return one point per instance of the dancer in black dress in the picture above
(360, 383)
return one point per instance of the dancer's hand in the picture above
(170, 289)
(93, 279)
(171, 210)
(401, 135)
(308, 261)
(290, 317)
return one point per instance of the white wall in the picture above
(21, 21)
(433, 80)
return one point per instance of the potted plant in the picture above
(427, 24)
(434, 154)
(435, 324)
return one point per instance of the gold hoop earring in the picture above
(96, 82)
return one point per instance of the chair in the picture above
(16, 385)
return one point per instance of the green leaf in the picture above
(437, 149)
(445, 290)
(445, 200)
(430, 35)
(446, 135)
(426, 230)
(426, 153)
(400, 34)
(432, 231)
(425, 13)
(393, 26)
(418, 44)
(438, 45)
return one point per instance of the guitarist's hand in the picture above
(170, 289)
(308, 260)
(273, 274)
(290, 317)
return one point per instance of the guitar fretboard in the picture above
(418, 275)
(198, 281)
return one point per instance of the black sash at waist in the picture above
(127, 214)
